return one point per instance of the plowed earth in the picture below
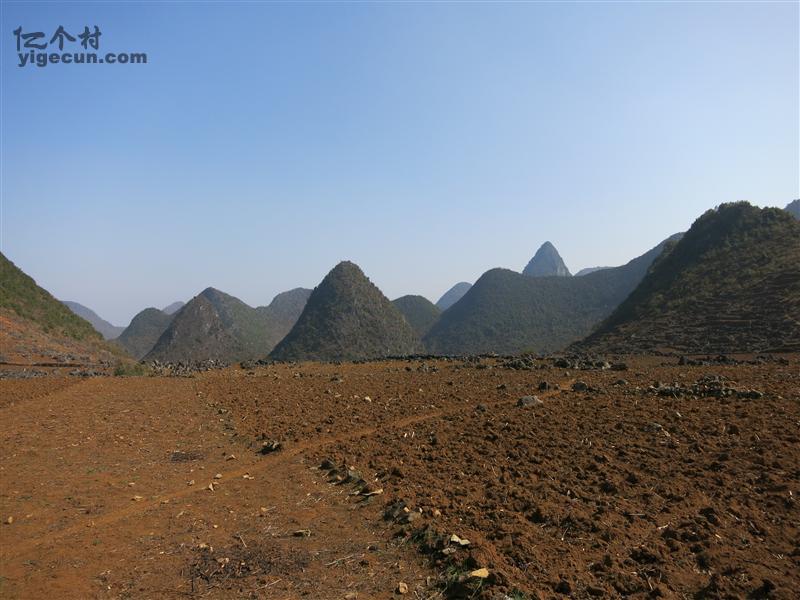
(615, 489)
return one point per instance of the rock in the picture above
(527, 401)
(270, 447)
(412, 516)
(370, 490)
(218, 476)
(327, 464)
(543, 386)
(402, 588)
(482, 407)
(580, 386)
(137, 498)
(482, 573)
(302, 533)
(562, 587)
(9, 520)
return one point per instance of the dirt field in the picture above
(618, 487)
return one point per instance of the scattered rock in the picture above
(302, 533)
(563, 587)
(270, 447)
(527, 401)
(481, 573)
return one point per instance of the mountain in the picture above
(588, 270)
(106, 329)
(216, 325)
(347, 318)
(453, 295)
(284, 310)
(546, 262)
(34, 326)
(794, 208)
(171, 309)
(420, 312)
(507, 312)
(732, 284)
(142, 334)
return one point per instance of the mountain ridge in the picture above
(731, 284)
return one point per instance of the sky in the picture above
(427, 142)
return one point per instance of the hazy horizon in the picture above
(428, 143)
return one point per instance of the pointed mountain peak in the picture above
(547, 262)
(347, 318)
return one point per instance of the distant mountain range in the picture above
(106, 329)
(547, 262)
(171, 309)
(732, 284)
(216, 325)
(347, 318)
(588, 270)
(420, 312)
(453, 295)
(144, 331)
(508, 312)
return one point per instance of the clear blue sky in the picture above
(262, 143)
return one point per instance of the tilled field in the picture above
(486, 478)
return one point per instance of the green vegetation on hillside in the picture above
(21, 294)
(347, 318)
(507, 312)
(732, 284)
(420, 312)
(216, 325)
(142, 334)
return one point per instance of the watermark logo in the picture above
(34, 49)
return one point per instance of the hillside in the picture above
(216, 325)
(347, 318)
(171, 309)
(142, 334)
(732, 284)
(453, 295)
(507, 312)
(588, 270)
(106, 329)
(20, 294)
(794, 208)
(547, 262)
(284, 310)
(420, 312)
(34, 326)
